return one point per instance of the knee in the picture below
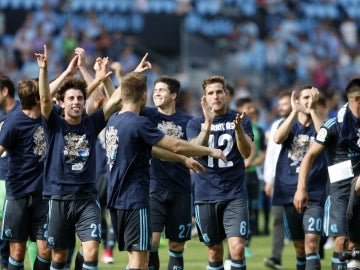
(215, 253)
(237, 251)
(176, 246)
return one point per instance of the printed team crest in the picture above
(299, 147)
(112, 144)
(321, 136)
(169, 128)
(76, 148)
(39, 148)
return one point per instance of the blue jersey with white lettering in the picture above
(70, 161)
(222, 181)
(129, 138)
(341, 137)
(23, 138)
(164, 175)
(292, 152)
(4, 160)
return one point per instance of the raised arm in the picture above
(203, 137)
(282, 133)
(243, 141)
(44, 88)
(69, 71)
(316, 118)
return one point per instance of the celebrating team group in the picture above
(153, 155)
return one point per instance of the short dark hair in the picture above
(71, 83)
(5, 81)
(353, 86)
(28, 91)
(172, 83)
(241, 101)
(133, 86)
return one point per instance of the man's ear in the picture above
(61, 103)
(5, 91)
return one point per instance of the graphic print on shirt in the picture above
(171, 129)
(39, 148)
(76, 150)
(112, 144)
(298, 149)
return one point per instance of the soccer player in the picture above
(8, 106)
(339, 137)
(69, 173)
(296, 133)
(130, 141)
(25, 211)
(170, 182)
(221, 206)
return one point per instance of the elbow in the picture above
(277, 140)
(176, 147)
(246, 154)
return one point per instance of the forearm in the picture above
(283, 131)
(164, 154)
(317, 120)
(243, 142)
(113, 104)
(55, 83)
(109, 87)
(203, 137)
(44, 92)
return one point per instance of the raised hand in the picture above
(144, 65)
(295, 102)
(314, 98)
(100, 68)
(42, 58)
(238, 120)
(80, 52)
(208, 112)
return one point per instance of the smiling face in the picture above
(305, 100)
(73, 105)
(216, 97)
(162, 96)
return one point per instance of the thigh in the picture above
(61, 228)
(16, 220)
(178, 225)
(88, 219)
(209, 222)
(313, 220)
(235, 219)
(158, 209)
(2, 197)
(39, 219)
(335, 222)
(132, 229)
(293, 222)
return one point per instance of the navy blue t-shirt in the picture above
(129, 139)
(164, 175)
(4, 166)
(292, 152)
(24, 139)
(100, 153)
(341, 137)
(70, 161)
(221, 181)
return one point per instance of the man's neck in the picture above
(130, 107)
(34, 112)
(305, 119)
(168, 110)
(10, 104)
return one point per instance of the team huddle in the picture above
(152, 157)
